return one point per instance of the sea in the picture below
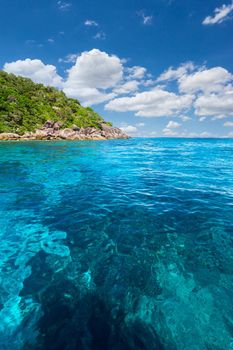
(116, 245)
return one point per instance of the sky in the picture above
(155, 68)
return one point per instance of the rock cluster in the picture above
(53, 131)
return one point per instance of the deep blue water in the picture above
(120, 245)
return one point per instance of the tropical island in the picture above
(30, 111)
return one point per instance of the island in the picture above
(30, 111)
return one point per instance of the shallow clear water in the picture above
(119, 245)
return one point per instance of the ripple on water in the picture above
(116, 245)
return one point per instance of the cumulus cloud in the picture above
(173, 125)
(207, 80)
(221, 14)
(98, 77)
(129, 129)
(154, 103)
(176, 74)
(218, 105)
(36, 70)
(136, 72)
(211, 88)
(169, 130)
(184, 118)
(92, 75)
(127, 87)
(133, 130)
(96, 68)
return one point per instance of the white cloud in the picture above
(148, 82)
(190, 134)
(169, 132)
(97, 69)
(51, 40)
(129, 129)
(91, 23)
(221, 14)
(173, 125)
(100, 36)
(202, 119)
(169, 129)
(146, 19)
(136, 72)
(98, 77)
(154, 103)
(64, 6)
(176, 74)
(93, 73)
(35, 70)
(140, 124)
(228, 124)
(196, 80)
(206, 134)
(230, 135)
(184, 118)
(70, 58)
(128, 87)
(87, 95)
(218, 105)
(207, 80)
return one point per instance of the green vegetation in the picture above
(25, 106)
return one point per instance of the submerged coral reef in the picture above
(116, 245)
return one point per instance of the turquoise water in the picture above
(124, 244)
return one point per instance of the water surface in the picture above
(124, 244)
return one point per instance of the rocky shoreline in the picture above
(54, 131)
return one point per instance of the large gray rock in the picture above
(9, 136)
(43, 134)
(75, 128)
(28, 136)
(53, 131)
(110, 132)
(57, 126)
(67, 134)
(49, 124)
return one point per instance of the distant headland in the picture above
(30, 111)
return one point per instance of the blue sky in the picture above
(153, 67)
